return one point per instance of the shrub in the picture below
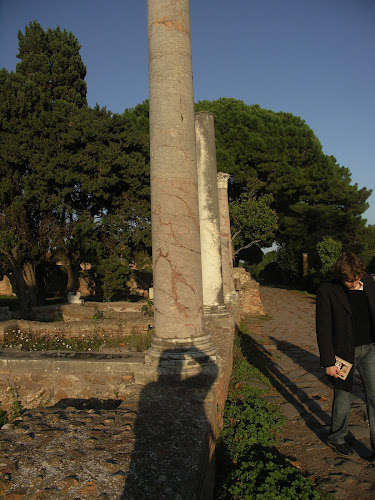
(263, 474)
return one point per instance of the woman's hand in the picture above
(333, 371)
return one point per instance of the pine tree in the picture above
(36, 104)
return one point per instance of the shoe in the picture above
(342, 448)
(371, 462)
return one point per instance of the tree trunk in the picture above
(21, 290)
(72, 268)
(29, 277)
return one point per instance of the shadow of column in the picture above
(306, 405)
(306, 402)
(172, 431)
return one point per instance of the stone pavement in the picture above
(287, 339)
(152, 440)
(113, 449)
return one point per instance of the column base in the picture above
(178, 359)
(181, 352)
(216, 311)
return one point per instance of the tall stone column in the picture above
(178, 302)
(209, 214)
(226, 239)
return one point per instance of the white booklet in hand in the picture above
(344, 366)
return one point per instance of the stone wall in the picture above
(44, 379)
(116, 319)
(38, 379)
(248, 291)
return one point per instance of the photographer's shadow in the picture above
(172, 430)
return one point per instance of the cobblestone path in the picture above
(304, 395)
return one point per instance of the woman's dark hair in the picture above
(349, 267)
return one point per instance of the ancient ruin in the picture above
(178, 297)
(171, 397)
(209, 214)
(226, 240)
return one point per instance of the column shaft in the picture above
(226, 239)
(209, 213)
(178, 302)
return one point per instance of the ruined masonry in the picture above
(134, 425)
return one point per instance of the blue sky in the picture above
(312, 58)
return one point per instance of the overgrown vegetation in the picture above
(249, 465)
(148, 309)
(138, 341)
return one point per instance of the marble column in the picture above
(209, 214)
(226, 239)
(178, 297)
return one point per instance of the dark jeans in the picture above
(364, 362)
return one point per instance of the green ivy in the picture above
(249, 423)
(262, 473)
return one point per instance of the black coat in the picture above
(335, 327)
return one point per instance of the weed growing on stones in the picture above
(14, 411)
(28, 341)
(148, 309)
(98, 314)
(139, 341)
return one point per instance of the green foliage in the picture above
(256, 270)
(313, 196)
(75, 180)
(329, 251)
(148, 309)
(15, 410)
(114, 272)
(36, 104)
(247, 423)
(368, 253)
(248, 463)
(263, 474)
(98, 314)
(28, 341)
(3, 416)
(139, 341)
(253, 222)
(243, 371)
